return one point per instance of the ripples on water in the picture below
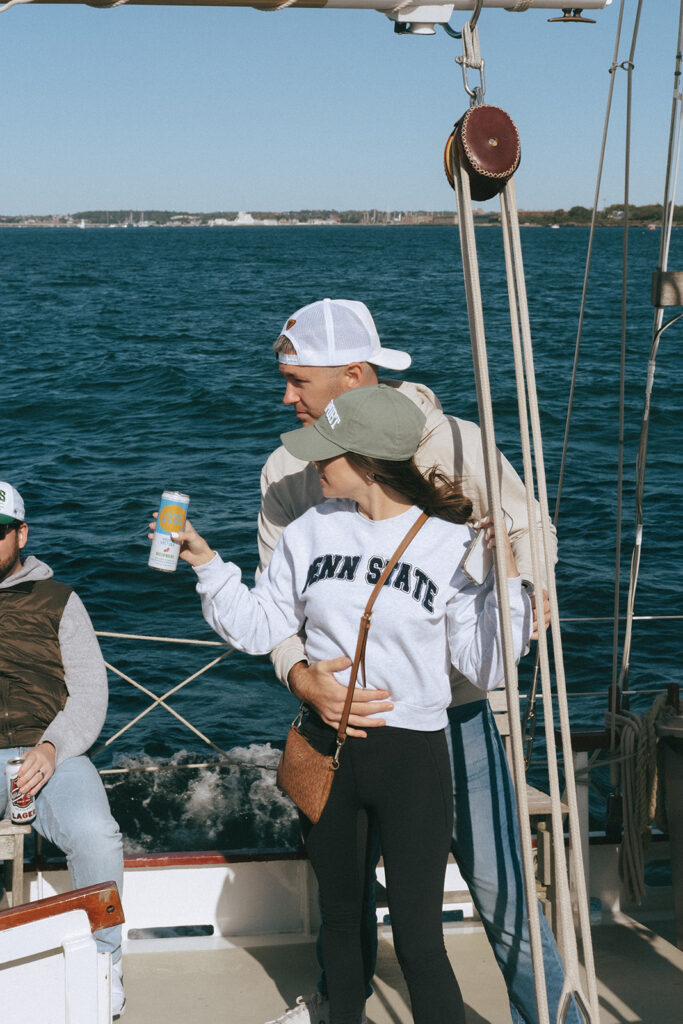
(137, 360)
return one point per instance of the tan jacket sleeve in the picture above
(456, 447)
(288, 488)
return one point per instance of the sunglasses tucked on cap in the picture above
(334, 332)
(11, 504)
(376, 421)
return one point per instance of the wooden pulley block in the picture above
(485, 144)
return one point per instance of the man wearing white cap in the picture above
(324, 349)
(53, 699)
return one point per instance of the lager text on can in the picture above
(22, 805)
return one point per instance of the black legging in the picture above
(403, 777)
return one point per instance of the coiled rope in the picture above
(642, 791)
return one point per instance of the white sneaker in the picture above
(314, 1009)
(118, 996)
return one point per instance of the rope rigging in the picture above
(660, 301)
(634, 768)
(529, 722)
(626, 730)
(620, 681)
(472, 172)
(530, 715)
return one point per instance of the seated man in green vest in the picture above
(53, 700)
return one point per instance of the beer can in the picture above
(22, 805)
(171, 519)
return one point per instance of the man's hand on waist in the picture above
(38, 767)
(316, 685)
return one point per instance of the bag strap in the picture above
(359, 657)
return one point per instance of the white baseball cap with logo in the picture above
(334, 332)
(11, 504)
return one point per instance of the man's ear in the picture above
(22, 535)
(354, 376)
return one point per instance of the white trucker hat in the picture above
(334, 332)
(11, 504)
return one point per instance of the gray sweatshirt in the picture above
(289, 487)
(428, 616)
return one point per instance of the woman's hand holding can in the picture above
(193, 548)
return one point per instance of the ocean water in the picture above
(139, 360)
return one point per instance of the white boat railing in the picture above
(161, 701)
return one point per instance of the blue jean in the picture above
(72, 811)
(486, 848)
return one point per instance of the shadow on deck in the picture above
(640, 979)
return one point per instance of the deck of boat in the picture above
(210, 981)
(218, 939)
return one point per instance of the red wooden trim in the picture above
(182, 859)
(204, 857)
(102, 904)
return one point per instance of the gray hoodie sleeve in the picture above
(78, 725)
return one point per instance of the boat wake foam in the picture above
(172, 805)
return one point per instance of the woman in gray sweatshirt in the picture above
(428, 616)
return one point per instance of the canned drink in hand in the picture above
(22, 805)
(171, 519)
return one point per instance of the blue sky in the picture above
(227, 109)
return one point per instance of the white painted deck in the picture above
(640, 979)
(261, 955)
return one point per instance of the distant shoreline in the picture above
(576, 216)
(484, 224)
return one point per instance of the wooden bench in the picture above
(12, 853)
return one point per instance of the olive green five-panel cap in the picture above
(376, 421)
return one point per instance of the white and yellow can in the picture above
(171, 518)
